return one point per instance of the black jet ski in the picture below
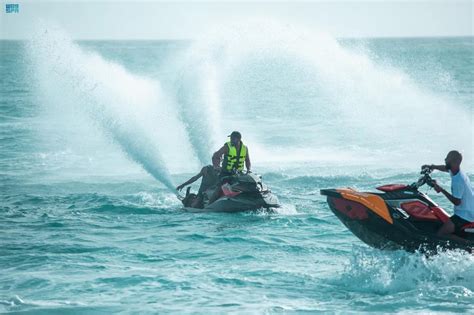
(241, 192)
(400, 217)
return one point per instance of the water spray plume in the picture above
(120, 104)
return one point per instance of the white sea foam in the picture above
(382, 272)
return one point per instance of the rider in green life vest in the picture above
(235, 155)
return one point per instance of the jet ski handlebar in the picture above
(426, 170)
(425, 178)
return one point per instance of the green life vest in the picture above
(231, 162)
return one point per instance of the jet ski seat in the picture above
(391, 187)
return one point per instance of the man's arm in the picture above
(216, 157)
(191, 180)
(441, 168)
(455, 201)
(248, 165)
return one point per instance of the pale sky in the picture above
(186, 20)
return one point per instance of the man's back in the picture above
(210, 178)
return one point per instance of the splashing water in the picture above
(349, 109)
(195, 89)
(345, 103)
(371, 270)
(122, 105)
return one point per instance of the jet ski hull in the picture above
(226, 204)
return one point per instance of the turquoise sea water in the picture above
(93, 132)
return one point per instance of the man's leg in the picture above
(447, 231)
(216, 194)
(197, 202)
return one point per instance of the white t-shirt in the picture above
(461, 188)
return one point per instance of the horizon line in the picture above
(195, 39)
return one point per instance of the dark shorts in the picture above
(458, 223)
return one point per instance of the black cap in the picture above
(235, 134)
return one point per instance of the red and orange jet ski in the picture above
(400, 217)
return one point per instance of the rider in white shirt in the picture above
(461, 196)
